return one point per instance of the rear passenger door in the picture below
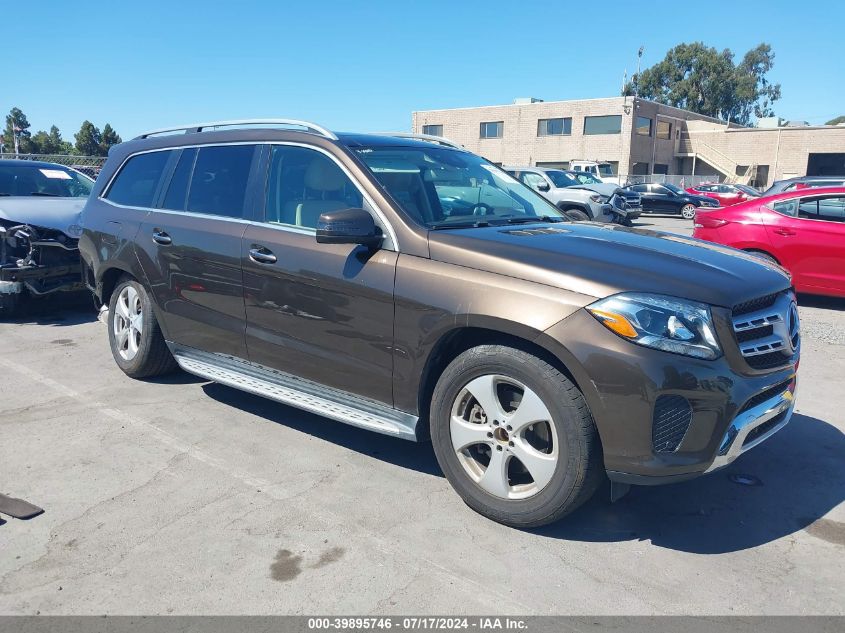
(190, 247)
(323, 312)
(809, 240)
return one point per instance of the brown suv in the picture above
(409, 287)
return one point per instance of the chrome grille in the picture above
(767, 330)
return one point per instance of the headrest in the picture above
(324, 175)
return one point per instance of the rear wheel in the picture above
(136, 341)
(688, 211)
(514, 436)
(576, 214)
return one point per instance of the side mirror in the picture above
(348, 226)
(542, 186)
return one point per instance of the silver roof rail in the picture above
(199, 127)
(427, 137)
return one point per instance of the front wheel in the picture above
(576, 215)
(136, 341)
(514, 436)
(688, 211)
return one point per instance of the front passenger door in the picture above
(323, 312)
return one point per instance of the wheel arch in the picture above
(457, 340)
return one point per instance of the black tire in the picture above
(579, 468)
(576, 215)
(152, 357)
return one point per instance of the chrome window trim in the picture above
(391, 233)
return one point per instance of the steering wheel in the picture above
(482, 209)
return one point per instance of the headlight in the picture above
(665, 323)
(599, 198)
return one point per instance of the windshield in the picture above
(751, 191)
(586, 178)
(440, 187)
(561, 178)
(673, 188)
(606, 170)
(19, 178)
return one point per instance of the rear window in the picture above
(218, 183)
(136, 184)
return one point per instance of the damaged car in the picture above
(40, 205)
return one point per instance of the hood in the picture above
(605, 188)
(58, 214)
(599, 260)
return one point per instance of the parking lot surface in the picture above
(180, 496)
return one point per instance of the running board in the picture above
(296, 392)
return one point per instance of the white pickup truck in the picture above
(599, 169)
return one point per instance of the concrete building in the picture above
(639, 138)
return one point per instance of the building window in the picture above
(643, 126)
(664, 130)
(492, 130)
(660, 168)
(433, 130)
(556, 164)
(610, 124)
(554, 127)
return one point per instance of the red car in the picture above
(727, 195)
(803, 231)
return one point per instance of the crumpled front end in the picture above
(35, 260)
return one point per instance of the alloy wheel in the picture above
(504, 437)
(688, 211)
(128, 322)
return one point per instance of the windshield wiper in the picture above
(532, 219)
(459, 225)
(41, 193)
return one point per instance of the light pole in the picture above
(637, 82)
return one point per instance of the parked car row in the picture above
(580, 197)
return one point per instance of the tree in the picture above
(50, 142)
(16, 123)
(88, 139)
(109, 138)
(837, 120)
(701, 79)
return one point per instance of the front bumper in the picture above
(41, 280)
(731, 409)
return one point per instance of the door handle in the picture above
(261, 255)
(160, 237)
(786, 232)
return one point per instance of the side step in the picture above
(297, 392)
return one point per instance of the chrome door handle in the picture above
(262, 255)
(160, 237)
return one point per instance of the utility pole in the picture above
(637, 82)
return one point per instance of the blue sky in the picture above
(367, 66)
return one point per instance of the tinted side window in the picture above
(303, 183)
(640, 188)
(136, 184)
(218, 184)
(177, 190)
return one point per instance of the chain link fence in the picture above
(88, 165)
(682, 181)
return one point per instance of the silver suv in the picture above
(579, 201)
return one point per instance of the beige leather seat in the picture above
(322, 178)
